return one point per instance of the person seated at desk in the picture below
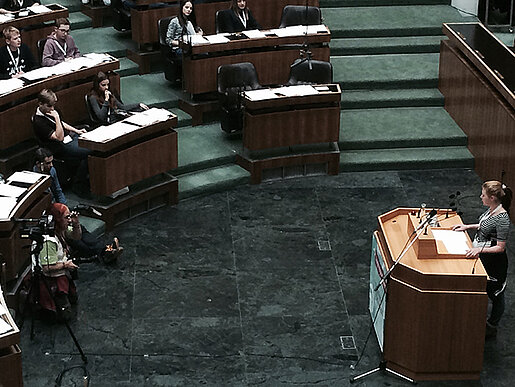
(182, 25)
(59, 46)
(240, 19)
(15, 57)
(56, 266)
(44, 164)
(106, 107)
(50, 131)
(7, 6)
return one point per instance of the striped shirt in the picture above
(492, 229)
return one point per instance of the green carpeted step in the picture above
(423, 20)
(151, 89)
(392, 45)
(78, 20)
(96, 227)
(506, 38)
(406, 158)
(127, 68)
(399, 128)
(386, 71)
(105, 39)
(375, 3)
(205, 146)
(212, 180)
(183, 118)
(72, 5)
(369, 99)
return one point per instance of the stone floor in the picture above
(232, 289)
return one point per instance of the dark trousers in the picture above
(88, 246)
(496, 295)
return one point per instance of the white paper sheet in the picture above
(220, 38)
(67, 139)
(27, 177)
(260, 95)
(454, 241)
(4, 327)
(41, 73)
(39, 9)
(6, 206)
(6, 18)
(8, 85)
(11, 191)
(296, 91)
(149, 117)
(255, 34)
(2, 310)
(195, 39)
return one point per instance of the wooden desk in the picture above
(434, 327)
(286, 122)
(19, 105)
(10, 352)
(39, 23)
(272, 57)
(14, 250)
(477, 78)
(135, 156)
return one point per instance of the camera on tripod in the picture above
(34, 229)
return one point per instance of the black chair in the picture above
(221, 20)
(232, 80)
(121, 16)
(41, 46)
(172, 66)
(294, 15)
(320, 72)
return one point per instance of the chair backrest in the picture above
(41, 46)
(314, 71)
(162, 29)
(92, 118)
(294, 15)
(237, 76)
(221, 20)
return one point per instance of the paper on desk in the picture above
(195, 39)
(39, 9)
(11, 191)
(109, 132)
(41, 73)
(8, 85)
(288, 31)
(2, 310)
(149, 117)
(67, 139)
(296, 91)
(260, 95)
(4, 327)
(255, 34)
(455, 242)
(219, 38)
(6, 206)
(6, 18)
(27, 177)
(315, 29)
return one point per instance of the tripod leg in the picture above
(370, 372)
(84, 358)
(400, 376)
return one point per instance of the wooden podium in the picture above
(436, 302)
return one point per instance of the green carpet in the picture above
(368, 99)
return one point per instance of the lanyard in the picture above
(60, 48)
(243, 19)
(16, 62)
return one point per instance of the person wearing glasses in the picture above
(15, 57)
(59, 46)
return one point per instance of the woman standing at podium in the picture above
(490, 246)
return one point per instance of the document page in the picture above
(4, 327)
(296, 91)
(260, 95)
(8, 85)
(149, 117)
(39, 9)
(219, 38)
(6, 206)
(454, 241)
(255, 34)
(27, 177)
(11, 191)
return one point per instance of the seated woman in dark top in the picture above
(106, 107)
(7, 6)
(240, 19)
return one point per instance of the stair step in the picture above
(399, 128)
(390, 21)
(368, 99)
(104, 39)
(205, 146)
(212, 180)
(406, 158)
(183, 118)
(386, 71)
(152, 89)
(78, 21)
(127, 68)
(392, 45)
(375, 3)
